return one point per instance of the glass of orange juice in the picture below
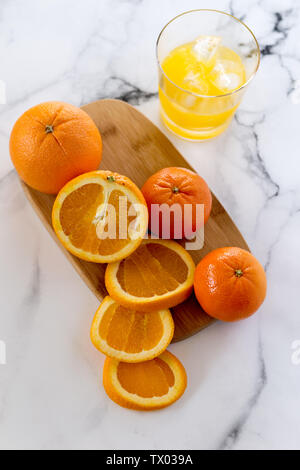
(206, 59)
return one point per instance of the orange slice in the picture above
(158, 275)
(147, 385)
(100, 216)
(131, 336)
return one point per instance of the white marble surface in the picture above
(243, 390)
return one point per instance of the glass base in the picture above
(192, 135)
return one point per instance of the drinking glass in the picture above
(190, 115)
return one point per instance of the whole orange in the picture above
(230, 284)
(53, 143)
(180, 188)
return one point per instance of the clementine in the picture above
(177, 188)
(230, 284)
(53, 143)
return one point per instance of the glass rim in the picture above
(222, 13)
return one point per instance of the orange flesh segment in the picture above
(147, 379)
(78, 219)
(152, 269)
(128, 331)
(78, 211)
(106, 320)
(170, 261)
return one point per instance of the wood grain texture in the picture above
(135, 147)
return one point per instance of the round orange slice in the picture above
(147, 385)
(131, 336)
(100, 216)
(158, 275)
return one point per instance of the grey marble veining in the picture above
(243, 385)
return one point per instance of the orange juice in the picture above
(197, 87)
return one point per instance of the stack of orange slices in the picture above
(144, 278)
(138, 372)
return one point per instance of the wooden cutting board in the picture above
(135, 147)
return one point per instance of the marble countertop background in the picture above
(244, 378)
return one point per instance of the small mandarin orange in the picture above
(230, 284)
